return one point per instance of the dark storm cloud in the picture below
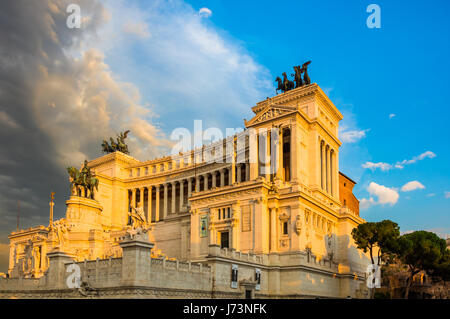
(57, 101)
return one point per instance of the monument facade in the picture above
(236, 218)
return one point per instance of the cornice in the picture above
(113, 157)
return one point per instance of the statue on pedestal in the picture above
(82, 180)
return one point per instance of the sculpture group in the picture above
(118, 145)
(82, 180)
(285, 84)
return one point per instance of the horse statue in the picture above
(288, 85)
(306, 78)
(118, 145)
(122, 147)
(83, 179)
(298, 76)
(75, 180)
(280, 85)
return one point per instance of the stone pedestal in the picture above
(136, 260)
(56, 276)
(83, 214)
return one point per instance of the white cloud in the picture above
(427, 154)
(190, 68)
(391, 115)
(380, 165)
(383, 194)
(366, 203)
(431, 195)
(398, 165)
(447, 194)
(140, 29)
(413, 185)
(205, 12)
(352, 136)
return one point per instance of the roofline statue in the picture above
(116, 146)
(285, 84)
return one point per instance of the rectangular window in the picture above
(138, 172)
(228, 212)
(285, 228)
(224, 239)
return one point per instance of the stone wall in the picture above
(138, 275)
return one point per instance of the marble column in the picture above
(330, 180)
(266, 164)
(197, 183)
(247, 171)
(181, 194)
(133, 198)
(253, 154)
(149, 203)
(327, 168)
(279, 156)
(189, 186)
(205, 182)
(141, 197)
(157, 204)
(232, 174)
(322, 164)
(222, 177)
(165, 201)
(174, 197)
(239, 173)
(214, 177)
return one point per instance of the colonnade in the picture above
(160, 200)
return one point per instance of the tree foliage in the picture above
(423, 251)
(377, 235)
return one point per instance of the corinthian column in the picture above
(189, 186)
(214, 179)
(222, 177)
(181, 194)
(157, 204)
(149, 204)
(141, 197)
(165, 201)
(322, 165)
(205, 182)
(279, 156)
(327, 154)
(133, 197)
(174, 196)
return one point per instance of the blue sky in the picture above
(401, 69)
